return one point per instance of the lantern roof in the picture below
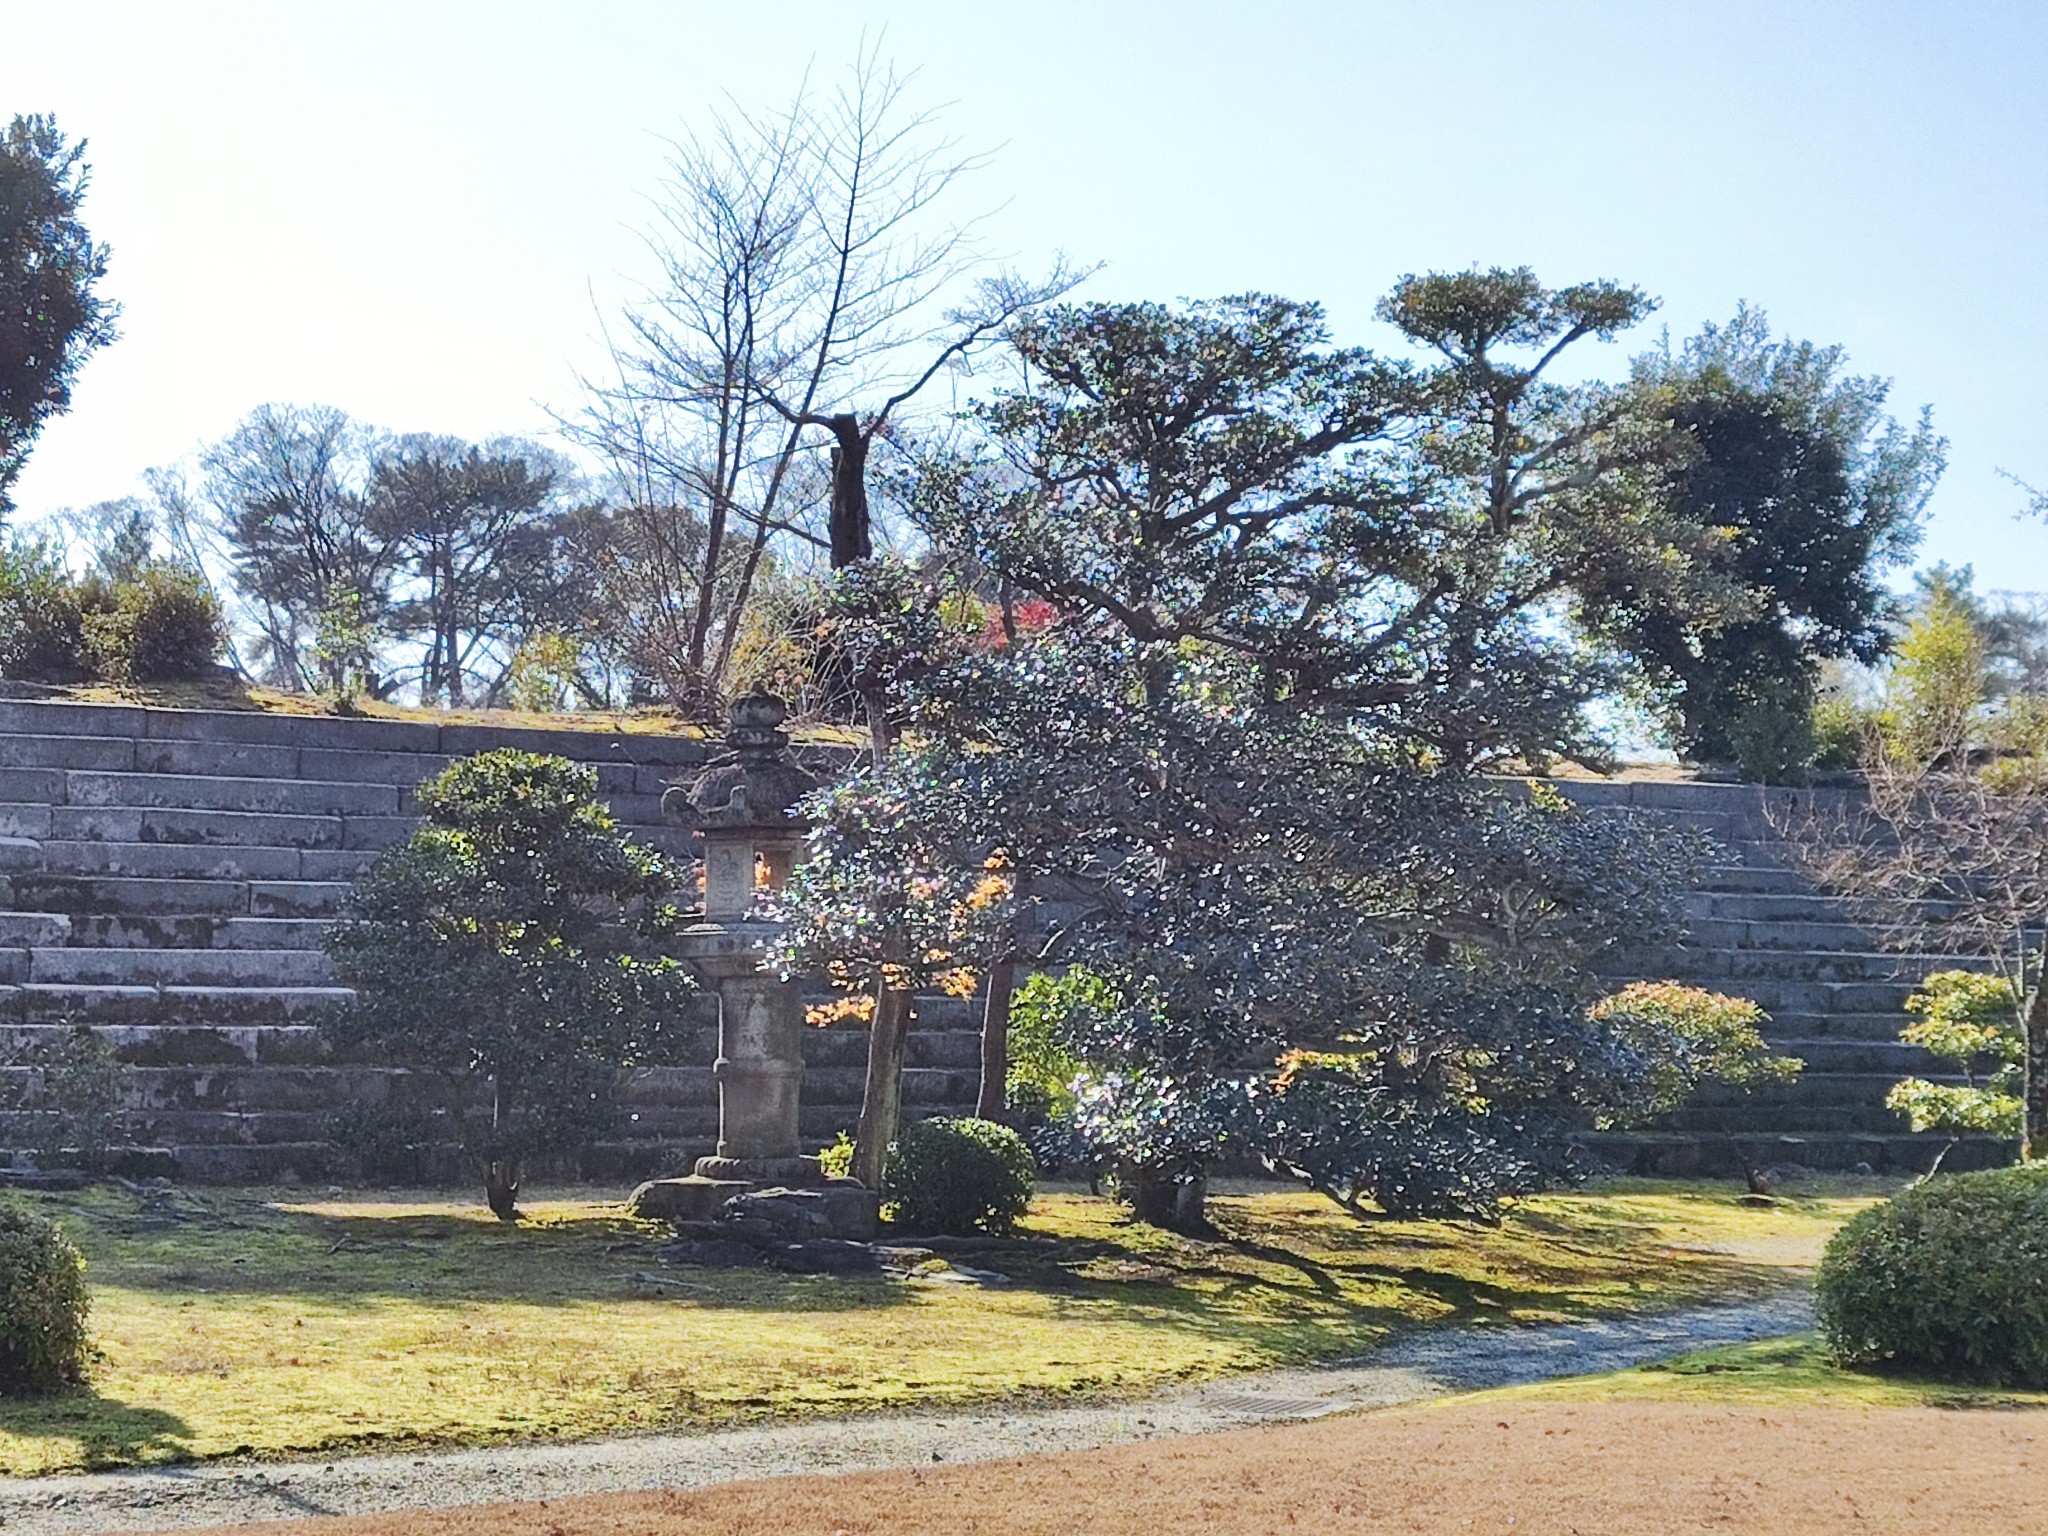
(753, 784)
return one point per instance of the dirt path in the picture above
(1421, 1365)
(1437, 1469)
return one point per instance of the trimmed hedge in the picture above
(43, 1306)
(959, 1176)
(1950, 1279)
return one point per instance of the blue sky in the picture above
(408, 210)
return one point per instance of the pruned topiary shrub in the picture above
(43, 1306)
(1950, 1279)
(959, 1176)
(161, 626)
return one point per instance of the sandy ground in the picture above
(1618, 1469)
(1422, 1365)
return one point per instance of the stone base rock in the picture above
(788, 1172)
(694, 1198)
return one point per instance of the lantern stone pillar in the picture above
(741, 806)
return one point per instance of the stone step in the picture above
(1811, 1090)
(302, 797)
(1742, 879)
(672, 750)
(91, 965)
(115, 753)
(1732, 969)
(20, 856)
(1762, 1119)
(190, 1045)
(189, 1005)
(99, 894)
(174, 860)
(1667, 1154)
(1797, 1024)
(1888, 1059)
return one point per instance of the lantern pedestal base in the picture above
(789, 1172)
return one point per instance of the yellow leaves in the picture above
(958, 982)
(858, 1009)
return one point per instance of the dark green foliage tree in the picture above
(44, 1346)
(504, 955)
(1385, 538)
(959, 1176)
(51, 318)
(1810, 493)
(1301, 944)
(1944, 1280)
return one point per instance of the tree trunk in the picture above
(852, 539)
(501, 1187)
(2034, 1080)
(991, 1102)
(1178, 1203)
(881, 1104)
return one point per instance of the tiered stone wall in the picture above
(167, 876)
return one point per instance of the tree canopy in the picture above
(51, 314)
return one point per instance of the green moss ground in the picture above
(272, 1323)
(1787, 1372)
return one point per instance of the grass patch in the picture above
(249, 698)
(270, 1323)
(1789, 1372)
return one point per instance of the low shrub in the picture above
(385, 1143)
(43, 1305)
(959, 1176)
(163, 626)
(1945, 1280)
(42, 626)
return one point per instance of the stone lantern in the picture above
(742, 807)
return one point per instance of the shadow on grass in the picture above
(108, 1432)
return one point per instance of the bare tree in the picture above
(810, 281)
(1953, 857)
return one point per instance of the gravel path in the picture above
(1426, 1364)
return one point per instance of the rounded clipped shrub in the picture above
(164, 626)
(1950, 1279)
(43, 1305)
(958, 1176)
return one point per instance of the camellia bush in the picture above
(505, 953)
(44, 1347)
(1945, 1280)
(959, 1176)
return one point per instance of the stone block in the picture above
(684, 1199)
(21, 855)
(296, 898)
(31, 786)
(37, 718)
(206, 792)
(290, 730)
(230, 759)
(841, 1209)
(358, 766)
(156, 861)
(25, 821)
(113, 753)
(376, 832)
(335, 864)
